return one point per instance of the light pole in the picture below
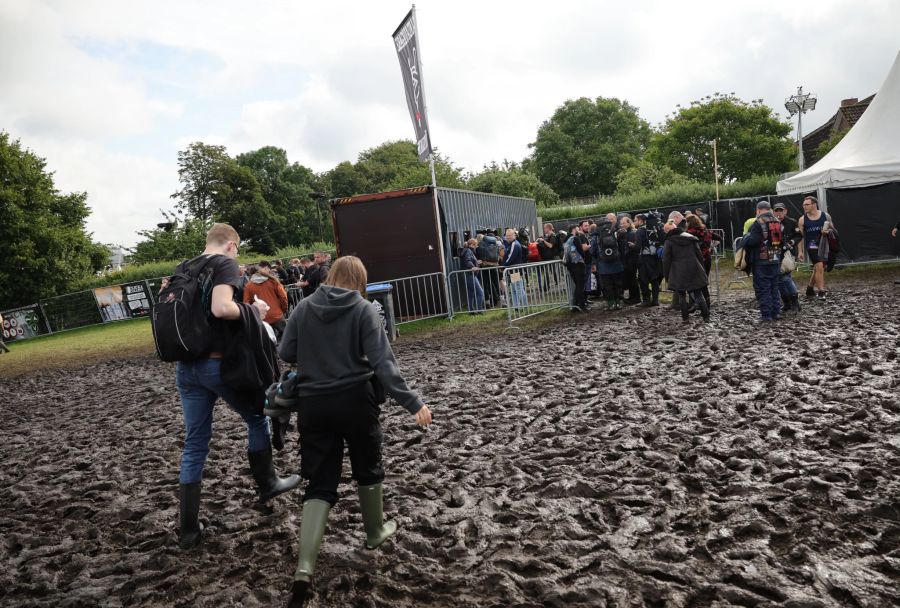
(715, 166)
(799, 104)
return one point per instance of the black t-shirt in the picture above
(580, 240)
(220, 270)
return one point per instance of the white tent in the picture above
(868, 155)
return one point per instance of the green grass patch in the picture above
(78, 347)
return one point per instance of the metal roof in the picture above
(467, 210)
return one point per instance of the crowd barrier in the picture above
(535, 288)
(423, 296)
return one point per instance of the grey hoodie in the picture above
(336, 338)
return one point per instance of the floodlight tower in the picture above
(799, 104)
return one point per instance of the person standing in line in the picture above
(790, 236)
(340, 347)
(515, 256)
(630, 259)
(812, 227)
(574, 260)
(200, 385)
(650, 266)
(474, 290)
(268, 288)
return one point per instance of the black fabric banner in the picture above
(864, 218)
(406, 41)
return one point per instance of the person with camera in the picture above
(344, 366)
(649, 265)
(630, 259)
(573, 258)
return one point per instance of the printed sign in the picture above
(21, 323)
(120, 302)
(407, 45)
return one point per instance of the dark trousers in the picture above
(611, 285)
(328, 421)
(576, 271)
(699, 301)
(765, 284)
(629, 278)
(649, 277)
(490, 278)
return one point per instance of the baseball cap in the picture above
(779, 206)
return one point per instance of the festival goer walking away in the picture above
(790, 237)
(811, 226)
(337, 340)
(763, 244)
(474, 291)
(200, 384)
(683, 269)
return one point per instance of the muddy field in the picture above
(608, 460)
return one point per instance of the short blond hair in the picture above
(348, 272)
(221, 234)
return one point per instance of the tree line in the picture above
(587, 147)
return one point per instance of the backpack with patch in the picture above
(770, 248)
(608, 246)
(655, 233)
(180, 317)
(489, 249)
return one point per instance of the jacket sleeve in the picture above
(667, 259)
(287, 350)
(754, 236)
(248, 293)
(378, 350)
(282, 296)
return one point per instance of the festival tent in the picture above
(858, 182)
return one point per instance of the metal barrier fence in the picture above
(535, 288)
(424, 296)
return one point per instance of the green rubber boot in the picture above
(312, 527)
(371, 503)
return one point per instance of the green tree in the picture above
(586, 143)
(750, 140)
(200, 170)
(288, 189)
(828, 145)
(511, 180)
(43, 243)
(646, 176)
(344, 180)
(181, 239)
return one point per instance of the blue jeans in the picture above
(765, 284)
(474, 292)
(786, 285)
(517, 291)
(200, 384)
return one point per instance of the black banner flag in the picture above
(406, 40)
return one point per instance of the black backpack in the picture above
(608, 246)
(180, 317)
(489, 249)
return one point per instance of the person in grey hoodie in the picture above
(343, 357)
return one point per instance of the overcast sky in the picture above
(109, 91)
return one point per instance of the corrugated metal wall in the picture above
(473, 211)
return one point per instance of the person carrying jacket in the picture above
(270, 290)
(790, 237)
(683, 270)
(337, 340)
(763, 245)
(200, 384)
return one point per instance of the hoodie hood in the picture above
(683, 239)
(259, 278)
(329, 303)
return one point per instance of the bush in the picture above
(666, 196)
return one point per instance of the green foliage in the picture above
(751, 140)
(646, 176)
(185, 238)
(393, 165)
(511, 180)
(43, 243)
(828, 145)
(585, 144)
(686, 194)
(200, 171)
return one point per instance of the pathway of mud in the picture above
(609, 460)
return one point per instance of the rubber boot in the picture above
(618, 304)
(269, 484)
(676, 302)
(312, 528)
(785, 304)
(371, 504)
(610, 304)
(795, 303)
(655, 291)
(190, 528)
(279, 428)
(703, 304)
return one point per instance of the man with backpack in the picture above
(488, 252)
(206, 287)
(763, 245)
(646, 240)
(606, 253)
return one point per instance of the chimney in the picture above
(849, 102)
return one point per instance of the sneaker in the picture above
(821, 296)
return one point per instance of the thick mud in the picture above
(612, 459)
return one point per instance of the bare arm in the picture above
(224, 307)
(801, 250)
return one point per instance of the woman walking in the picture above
(683, 269)
(343, 360)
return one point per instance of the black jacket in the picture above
(250, 361)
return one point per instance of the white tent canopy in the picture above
(868, 155)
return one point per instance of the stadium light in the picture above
(800, 104)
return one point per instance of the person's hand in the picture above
(423, 416)
(894, 232)
(261, 307)
(801, 256)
